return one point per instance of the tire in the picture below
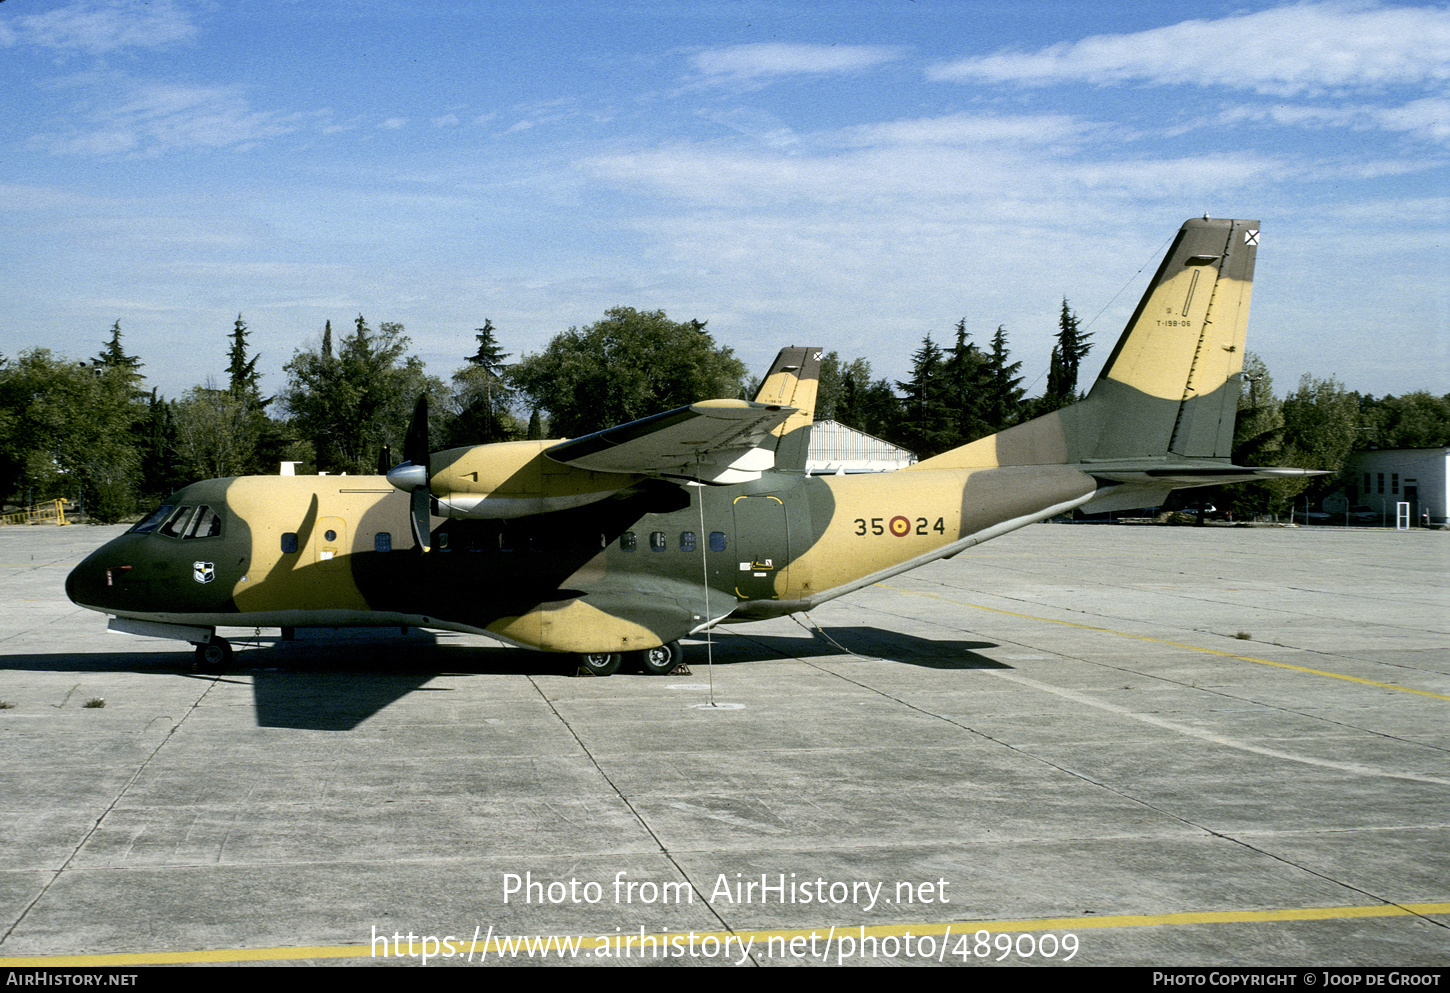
(660, 661)
(601, 663)
(215, 655)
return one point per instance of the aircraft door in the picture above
(762, 547)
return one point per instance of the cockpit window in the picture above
(176, 524)
(207, 524)
(150, 523)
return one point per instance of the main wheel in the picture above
(215, 655)
(601, 663)
(662, 660)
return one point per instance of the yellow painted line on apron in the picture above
(496, 950)
(1175, 644)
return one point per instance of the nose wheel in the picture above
(215, 655)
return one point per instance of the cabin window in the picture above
(717, 541)
(174, 527)
(657, 541)
(289, 543)
(443, 541)
(207, 524)
(383, 542)
(626, 541)
(687, 541)
(151, 523)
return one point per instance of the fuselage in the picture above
(648, 565)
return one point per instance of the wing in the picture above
(715, 441)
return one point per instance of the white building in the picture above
(1417, 476)
(837, 448)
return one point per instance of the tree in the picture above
(830, 388)
(1004, 387)
(216, 433)
(482, 401)
(629, 365)
(967, 383)
(1321, 424)
(70, 430)
(1415, 420)
(926, 417)
(353, 403)
(1067, 355)
(113, 356)
(242, 371)
(866, 405)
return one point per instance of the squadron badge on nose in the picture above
(203, 572)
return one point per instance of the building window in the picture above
(1394, 483)
(1381, 478)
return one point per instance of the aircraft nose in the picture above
(88, 583)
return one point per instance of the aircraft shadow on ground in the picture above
(336, 683)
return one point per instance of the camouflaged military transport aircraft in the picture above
(616, 545)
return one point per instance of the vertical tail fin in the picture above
(1172, 382)
(792, 382)
(1170, 387)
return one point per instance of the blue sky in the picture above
(850, 174)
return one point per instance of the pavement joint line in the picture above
(494, 946)
(1174, 644)
(629, 805)
(96, 826)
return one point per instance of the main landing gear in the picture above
(601, 663)
(658, 661)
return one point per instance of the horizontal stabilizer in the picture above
(1179, 475)
(715, 441)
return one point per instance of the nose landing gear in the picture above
(214, 655)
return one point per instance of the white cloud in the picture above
(1005, 167)
(104, 27)
(1428, 118)
(393, 123)
(974, 129)
(150, 118)
(1295, 49)
(747, 63)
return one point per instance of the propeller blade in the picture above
(415, 444)
(412, 475)
(419, 518)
